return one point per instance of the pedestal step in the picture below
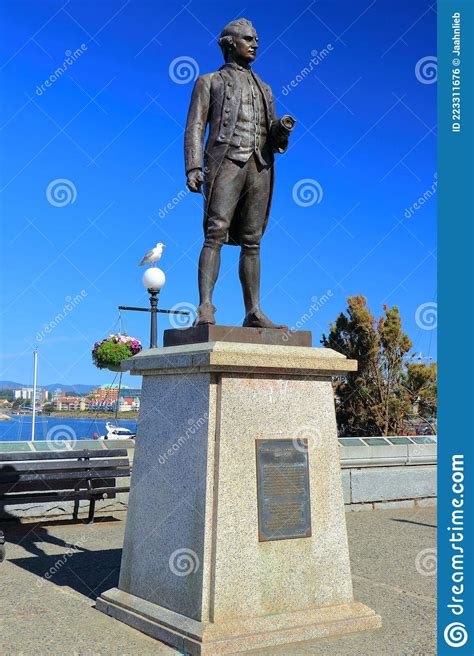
(236, 635)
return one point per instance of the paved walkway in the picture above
(48, 590)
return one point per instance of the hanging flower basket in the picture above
(109, 353)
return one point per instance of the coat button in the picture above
(226, 123)
(229, 97)
(227, 111)
(229, 84)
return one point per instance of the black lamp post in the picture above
(153, 279)
(153, 317)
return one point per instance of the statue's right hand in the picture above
(195, 180)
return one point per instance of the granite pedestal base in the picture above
(195, 572)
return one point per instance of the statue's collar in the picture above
(236, 67)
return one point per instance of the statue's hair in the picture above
(231, 29)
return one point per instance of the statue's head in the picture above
(239, 41)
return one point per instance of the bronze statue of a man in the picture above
(243, 136)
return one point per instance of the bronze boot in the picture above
(205, 315)
(257, 319)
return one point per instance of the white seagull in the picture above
(153, 255)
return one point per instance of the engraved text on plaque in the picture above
(283, 489)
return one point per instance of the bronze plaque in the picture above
(283, 489)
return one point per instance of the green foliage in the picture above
(113, 349)
(420, 385)
(384, 392)
(109, 354)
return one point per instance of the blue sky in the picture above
(111, 125)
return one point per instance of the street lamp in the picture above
(153, 280)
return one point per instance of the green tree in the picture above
(384, 391)
(420, 386)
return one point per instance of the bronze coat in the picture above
(215, 101)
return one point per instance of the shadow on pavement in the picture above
(31, 535)
(88, 572)
(411, 521)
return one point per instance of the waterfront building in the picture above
(128, 403)
(106, 398)
(107, 393)
(26, 393)
(69, 403)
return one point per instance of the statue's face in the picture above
(245, 44)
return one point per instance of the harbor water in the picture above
(56, 429)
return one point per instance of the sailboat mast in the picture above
(118, 398)
(35, 371)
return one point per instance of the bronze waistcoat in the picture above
(250, 131)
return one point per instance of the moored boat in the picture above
(115, 432)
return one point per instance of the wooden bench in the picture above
(58, 476)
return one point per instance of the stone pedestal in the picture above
(196, 571)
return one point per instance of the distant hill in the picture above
(9, 384)
(79, 387)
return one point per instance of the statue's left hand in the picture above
(281, 129)
(195, 180)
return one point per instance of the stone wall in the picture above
(381, 488)
(382, 473)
